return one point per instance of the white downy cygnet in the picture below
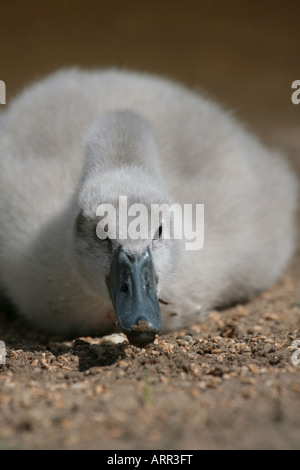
(78, 140)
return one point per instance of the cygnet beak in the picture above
(132, 286)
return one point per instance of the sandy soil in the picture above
(228, 383)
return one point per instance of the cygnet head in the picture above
(123, 250)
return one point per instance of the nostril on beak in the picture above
(124, 287)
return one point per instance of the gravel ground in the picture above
(226, 383)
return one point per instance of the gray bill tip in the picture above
(141, 334)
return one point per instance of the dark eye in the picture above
(80, 225)
(158, 233)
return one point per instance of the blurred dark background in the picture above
(243, 53)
